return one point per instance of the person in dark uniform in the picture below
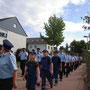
(32, 72)
(63, 62)
(8, 67)
(56, 66)
(46, 67)
(23, 57)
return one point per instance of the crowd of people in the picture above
(47, 67)
(36, 69)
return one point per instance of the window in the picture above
(35, 46)
(14, 25)
(48, 47)
(2, 34)
(30, 46)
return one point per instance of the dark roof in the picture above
(9, 23)
(35, 41)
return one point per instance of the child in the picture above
(56, 66)
(32, 72)
(46, 67)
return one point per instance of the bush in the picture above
(17, 55)
(86, 57)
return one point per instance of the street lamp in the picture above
(87, 40)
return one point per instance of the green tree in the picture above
(78, 46)
(54, 31)
(86, 19)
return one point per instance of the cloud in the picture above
(70, 36)
(77, 1)
(73, 27)
(33, 13)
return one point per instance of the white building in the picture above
(34, 43)
(11, 29)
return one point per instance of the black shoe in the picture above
(51, 86)
(38, 84)
(66, 76)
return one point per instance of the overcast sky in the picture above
(33, 13)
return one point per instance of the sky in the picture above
(33, 13)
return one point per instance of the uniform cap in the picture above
(7, 44)
(38, 48)
(61, 48)
(23, 49)
(45, 51)
(33, 53)
(33, 50)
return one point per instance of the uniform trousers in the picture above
(67, 69)
(22, 66)
(46, 74)
(61, 73)
(6, 84)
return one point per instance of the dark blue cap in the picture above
(23, 49)
(7, 44)
(33, 50)
(61, 48)
(38, 48)
(0, 46)
(45, 51)
(55, 51)
(33, 53)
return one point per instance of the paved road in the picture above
(73, 82)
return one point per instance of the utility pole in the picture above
(87, 41)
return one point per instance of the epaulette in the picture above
(9, 53)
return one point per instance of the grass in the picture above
(18, 64)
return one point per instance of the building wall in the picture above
(35, 46)
(18, 41)
(42, 47)
(50, 48)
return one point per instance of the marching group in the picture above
(36, 69)
(47, 67)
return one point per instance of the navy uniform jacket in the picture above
(56, 62)
(45, 63)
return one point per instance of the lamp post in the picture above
(87, 40)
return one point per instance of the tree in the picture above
(54, 31)
(86, 20)
(77, 46)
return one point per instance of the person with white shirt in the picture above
(23, 57)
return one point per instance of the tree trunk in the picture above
(56, 47)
